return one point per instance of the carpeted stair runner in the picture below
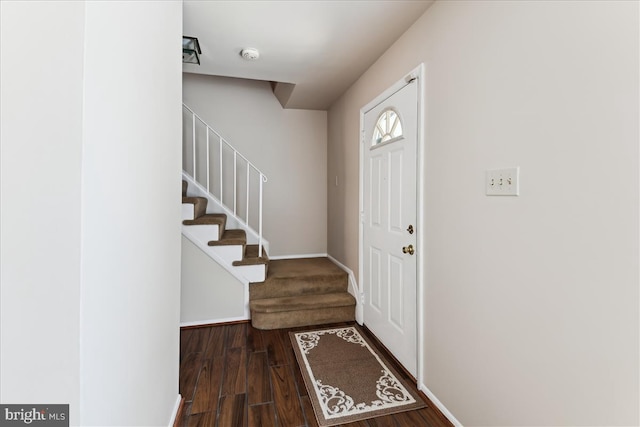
(230, 237)
(252, 257)
(301, 292)
(199, 205)
(296, 292)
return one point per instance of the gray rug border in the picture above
(322, 422)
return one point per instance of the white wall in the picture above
(531, 303)
(41, 147)
(90, 230)
(208, 292)
(131, 213)
(289, 146)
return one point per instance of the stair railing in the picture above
(196, 123)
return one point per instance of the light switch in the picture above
(502, 182)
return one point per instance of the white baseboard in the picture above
(423, 388)
(353, 290)
(174, 414)
(213, 321)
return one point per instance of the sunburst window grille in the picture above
(388, 127)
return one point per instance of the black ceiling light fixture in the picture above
(190, 50)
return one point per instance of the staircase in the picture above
(283, 293)
(248, 262)
(222, 212)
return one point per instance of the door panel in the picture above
(396, 159)
(396, 291)
(377, 186)
(389, 204)
(375, 271)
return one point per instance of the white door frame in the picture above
(419, 74)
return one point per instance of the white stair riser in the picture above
(253, 273)
(228, 253)
(188, 211)
(202, 235)
(203, 232)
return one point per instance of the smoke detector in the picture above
(250, 54)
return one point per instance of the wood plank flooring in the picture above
(236, 375)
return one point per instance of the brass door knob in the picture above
(408, 250)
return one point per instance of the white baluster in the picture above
(260, 219)
(193, 139)
(235, 181)
(208, 174)
(248, 173)
(221, 187)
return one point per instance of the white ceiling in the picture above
(321, 47)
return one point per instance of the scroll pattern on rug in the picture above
(335, 402)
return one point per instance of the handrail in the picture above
(195, 118)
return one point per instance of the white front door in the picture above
(389, 223)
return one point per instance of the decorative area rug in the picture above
(347, 379)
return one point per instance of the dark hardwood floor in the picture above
(235, 375)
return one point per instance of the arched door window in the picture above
(388, 127)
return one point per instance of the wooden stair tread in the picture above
(230, 237)
(302, 302)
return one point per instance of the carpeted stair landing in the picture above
(301, 292)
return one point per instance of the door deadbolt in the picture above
(408, 250)
(410, 229)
